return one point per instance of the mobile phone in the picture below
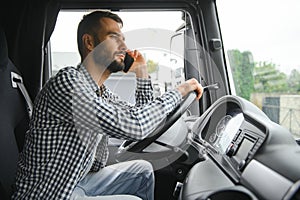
(128, 62)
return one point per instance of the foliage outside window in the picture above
(262, 50)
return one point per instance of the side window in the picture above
(261, 41)
(64, 51)
(153, 33)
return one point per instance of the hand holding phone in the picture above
(128, 62)
(135, 63)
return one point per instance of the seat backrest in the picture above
(14, 120)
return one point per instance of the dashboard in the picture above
(247, 156)
(233, 137)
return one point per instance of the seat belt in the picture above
(17, 82)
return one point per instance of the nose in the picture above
(123, 46)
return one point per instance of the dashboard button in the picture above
(242, 165)
(231, 150)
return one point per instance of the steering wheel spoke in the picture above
(135, 150)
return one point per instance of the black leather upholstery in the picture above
(14, 121)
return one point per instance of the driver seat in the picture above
(14, 122)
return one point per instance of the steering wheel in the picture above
(129, 149)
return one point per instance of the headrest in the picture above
(3, 50)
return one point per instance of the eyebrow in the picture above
(116, 33)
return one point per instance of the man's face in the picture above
(110, 52)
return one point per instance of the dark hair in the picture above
(90, 24)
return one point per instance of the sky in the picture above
(270, 29)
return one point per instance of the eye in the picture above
(115, 36)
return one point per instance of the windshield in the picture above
(262, 45)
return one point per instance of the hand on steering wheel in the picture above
(129, 149)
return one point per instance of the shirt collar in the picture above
(89, 79)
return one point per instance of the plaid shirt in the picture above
(72, 120)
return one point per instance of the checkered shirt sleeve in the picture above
(70, 127)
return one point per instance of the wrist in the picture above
(184, 89)
(142, 72)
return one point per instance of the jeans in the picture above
(131, 177)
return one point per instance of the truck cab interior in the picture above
(221, 147)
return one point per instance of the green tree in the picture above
(294, 81)
(268, 79)
(242, 66)
(152, 66)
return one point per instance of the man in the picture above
(65, 152)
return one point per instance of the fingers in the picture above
(135, 54)
(199, 91)
(196, 86)
(139, 66)
(191, 85)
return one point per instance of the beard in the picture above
(104, 58)
(116, 66)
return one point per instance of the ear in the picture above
(88, 41)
